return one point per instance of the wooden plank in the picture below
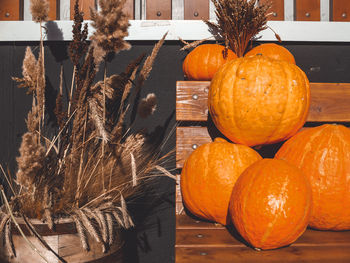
(248, 255)
(276, 10)
(158, 9)
(184, 221)
(129, 9)
(84, 6)
(329, 101)
(341, 10)
(188, 139)
(10, 10)
(196, 9)
(307, 10)
(53, 10)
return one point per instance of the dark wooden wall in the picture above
(153, 239)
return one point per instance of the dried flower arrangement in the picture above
(239, 22)
(91, 165)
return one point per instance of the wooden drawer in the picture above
(200, 241)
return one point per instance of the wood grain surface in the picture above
(341, 10)
(329, 101)
(196, 9)
(277, 9)
(158, 9)
(307, 10)
(9, 10)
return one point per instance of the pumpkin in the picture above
(209, 174)
(323, 154)
(273, 51)
(203, 61)
(271, 204)
(258, 100)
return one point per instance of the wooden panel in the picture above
(329, 101)
(53, 10)
(158, 9)
(84, 6)
(9, 10)
(292, 253)
(188, 139)
(129, 9)
(341, 10)
(196, 9)
(307, 10)
(276, 10)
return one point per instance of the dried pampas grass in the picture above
(92, 165)
(39, 10)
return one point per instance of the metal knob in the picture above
(195, 14)
(7, 14)
(274, 14)
(159, 13)
(307, 14)
(343, 15)
(195, 96)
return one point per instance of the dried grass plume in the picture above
(39, 10)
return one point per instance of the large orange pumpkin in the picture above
(203, 61)
(272, 50)
(271, 204)
(208, 177)
(323, 154)
(258, 100)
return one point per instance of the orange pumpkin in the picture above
(271, 204)
(258, 100)
(208, 177)
(272, 50)
(323, 154)
(203, 61)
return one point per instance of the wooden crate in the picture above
(199, 241)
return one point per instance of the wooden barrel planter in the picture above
(64, 240)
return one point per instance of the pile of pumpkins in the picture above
(264, 98)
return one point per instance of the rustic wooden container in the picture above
(64, 241)
(199, 241)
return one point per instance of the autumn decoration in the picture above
(203, 61)
(272, 50)
(258, 100)
(92, 165)
(271, 204)
(323, 154)
(209, 175)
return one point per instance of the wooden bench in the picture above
(200, 241)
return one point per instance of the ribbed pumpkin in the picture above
(203, 61)
(209, 175)
(323, 154)
(271, 204)
(272, 50)
(258, 100)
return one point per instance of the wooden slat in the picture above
(307, 10)
(341, 10)
(53, 10)
(187, 139)
(129, 9)
(9, 10)
(277, 9)
(317, 254)
(84, 6)
(158, 9)
(329, 101)
(196, 9)
(183, 221)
